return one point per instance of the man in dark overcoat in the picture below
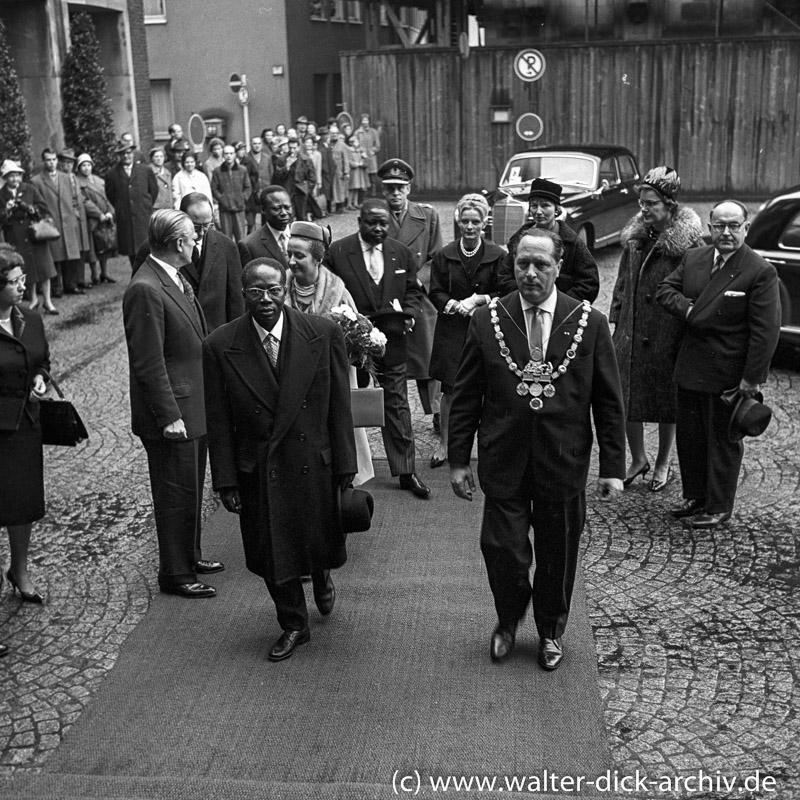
(536, 368)
(381, 276)
(132, 189)
(215, 271)
(164, 329)
(727, 295)
(281, 443)
(272, 238)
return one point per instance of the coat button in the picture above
(304, 404)
(305, 470)
(648, 298)
(645, 340)
(19, 348)
(302, 437)
(273, 473)
(257, 410)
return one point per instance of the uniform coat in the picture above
(23, 355)
(533, 465)
(133, 200)
(730, 334)
(260, 243)
(282, 441)
(216, 278)
(65, 205)
(646, 337)
(38, 259)
(578, 277)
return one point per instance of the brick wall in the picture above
(141, 70)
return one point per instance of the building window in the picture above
(337, 10)
(316, 9)
(155, 11)
(354, 10)
(163, 113)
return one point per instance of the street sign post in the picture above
(197, 132)
(238, 85)
(529, 65)
(235, 82)
(529, 126)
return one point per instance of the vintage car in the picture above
(598, 190)
(775, 234)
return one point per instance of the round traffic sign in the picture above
(529, 126)
(529, 65)
(235, 82)
(244, 95)
(197, 131)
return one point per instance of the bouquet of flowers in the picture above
(363, 340)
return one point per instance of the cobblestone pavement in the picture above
(696, 633)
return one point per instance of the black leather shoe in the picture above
(189, 589)
(3, 650)
(324, 593)
(643, 470)
(207, 567)
(502, 645)
(27, 597)
(437, 462)
(687, 508)
(551, 654)
(286, 644)
(74, 290)
(414, 485)
(711, 520)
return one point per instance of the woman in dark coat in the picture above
(464, 275)
(99, 217)
(24, 360)
(646, 337)
(20, 204)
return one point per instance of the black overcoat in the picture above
(133, 199)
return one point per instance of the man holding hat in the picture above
(417, 226)
(727, 295)
(65, 205)
(133, 190)
(579, 277)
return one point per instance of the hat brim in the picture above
(396, 181)
(735, 431)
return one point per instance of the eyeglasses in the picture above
(648, 203)
(719, 227)
(255, 294)
(202, 227)
(17, 281)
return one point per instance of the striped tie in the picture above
(271, 346)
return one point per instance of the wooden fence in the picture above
(724, 113)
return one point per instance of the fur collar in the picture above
(684, 231)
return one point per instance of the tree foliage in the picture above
(15, 137)
(86, 107)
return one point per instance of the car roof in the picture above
(598, 150)
(769, 223)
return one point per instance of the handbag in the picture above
(104, 237)
(367, 407)
(43, 230)
(60, 421)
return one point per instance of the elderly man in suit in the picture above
(215, 271)
(164, 329)
(381, 276)
(728, 297)
(65, 204)
(417, 226)
(272, 238)
(132, 189)
(281, 443)
(536, 368)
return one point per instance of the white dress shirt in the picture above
(170, 270)
(373, 259)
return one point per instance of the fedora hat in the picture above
(67, 154)
(10, 166)
(390, 322)
(355, 508)
(750, 417)
(123, 147)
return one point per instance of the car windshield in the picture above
(566, 170)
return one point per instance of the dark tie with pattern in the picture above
(190, 296)
(719, 262)
(271, 346)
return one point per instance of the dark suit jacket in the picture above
(164, 336)
(218, 283)
(281, 441)
(260, 243)
(732, 330)
(555, 441)
(345, 258)
(133, 200)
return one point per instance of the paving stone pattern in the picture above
(696, 633)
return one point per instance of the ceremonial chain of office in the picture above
(537, 378)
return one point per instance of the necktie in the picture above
(535, 341)
(190, 296)
(271, 346)
(719, 261)
(375, 271)
(282, 242)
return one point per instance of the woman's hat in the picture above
(750, 417)
(83, 158)
(663, 180)
(155, 149)
(356, 507)
(310, 230)
(10, 166)
(546, 189)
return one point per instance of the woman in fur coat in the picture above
(646, 338)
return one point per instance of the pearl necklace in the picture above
(469, 253)
(536, 378)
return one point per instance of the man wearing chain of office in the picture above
(536, 367)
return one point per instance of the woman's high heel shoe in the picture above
(27, 597)
(657, 485)
(641, 471)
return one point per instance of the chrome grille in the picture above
(508, 217)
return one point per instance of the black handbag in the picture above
(60, 421)
(104, 237)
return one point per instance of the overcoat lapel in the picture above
(208, 258)
(248, 359)
(562, 332)
(717, 282)
(179, 298)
